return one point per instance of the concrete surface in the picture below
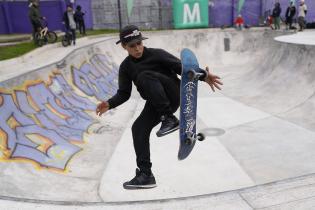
(260, 127)
(302, 38)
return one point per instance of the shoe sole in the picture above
(139, 187)
(168, 132)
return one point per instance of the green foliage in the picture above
(7, 52)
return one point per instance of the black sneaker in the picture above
(140, 181)
(169, 124)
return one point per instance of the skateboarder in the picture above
(154, 73)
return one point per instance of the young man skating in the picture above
(154, 73)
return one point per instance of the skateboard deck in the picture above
(188, 103)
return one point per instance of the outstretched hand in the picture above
(213, 80)
(102, 108)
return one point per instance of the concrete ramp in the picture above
(260, 128)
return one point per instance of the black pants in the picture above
(36, 28)
(289, 22)
(301, 21)
(81, 27)
(71, 35)
(162, 95)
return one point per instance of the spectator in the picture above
(239, 22)
(289, 15)
(302, 14)
(276, 15)
(35, 17)
(269, 22)
(79, 19)
(68, 20)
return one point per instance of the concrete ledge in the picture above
(300, 38)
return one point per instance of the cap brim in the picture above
(133, 41)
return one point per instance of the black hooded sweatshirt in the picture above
(156, 60)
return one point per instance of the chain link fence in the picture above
(149, 14)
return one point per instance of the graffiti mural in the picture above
(43, 121)
(91, 80)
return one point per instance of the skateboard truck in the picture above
(192, 137)
(193, 75)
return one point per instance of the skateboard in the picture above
(188, 103)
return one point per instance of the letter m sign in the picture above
(190, 13)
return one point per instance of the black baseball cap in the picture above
(129, 34)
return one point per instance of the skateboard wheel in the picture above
(188, 141)
(200, 137)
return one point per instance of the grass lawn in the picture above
(13, 51)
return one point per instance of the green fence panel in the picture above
(190, 13)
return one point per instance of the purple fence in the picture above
(224, 12)
(251, 11)
(220, 13)
(3, 22)
(14, 15)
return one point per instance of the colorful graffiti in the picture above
(92, 80)
(43, 122)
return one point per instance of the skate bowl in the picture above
(260, 128)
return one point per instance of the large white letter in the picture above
(194, 16)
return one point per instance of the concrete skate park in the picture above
(260, 129)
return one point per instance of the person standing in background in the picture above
(35, 17)
(289, 15)
(302, 15)
(276, 15)
(79, 19)
(239, 22)
(68, 20)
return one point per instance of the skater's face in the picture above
(134, 49)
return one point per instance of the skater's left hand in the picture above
(213, 80)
